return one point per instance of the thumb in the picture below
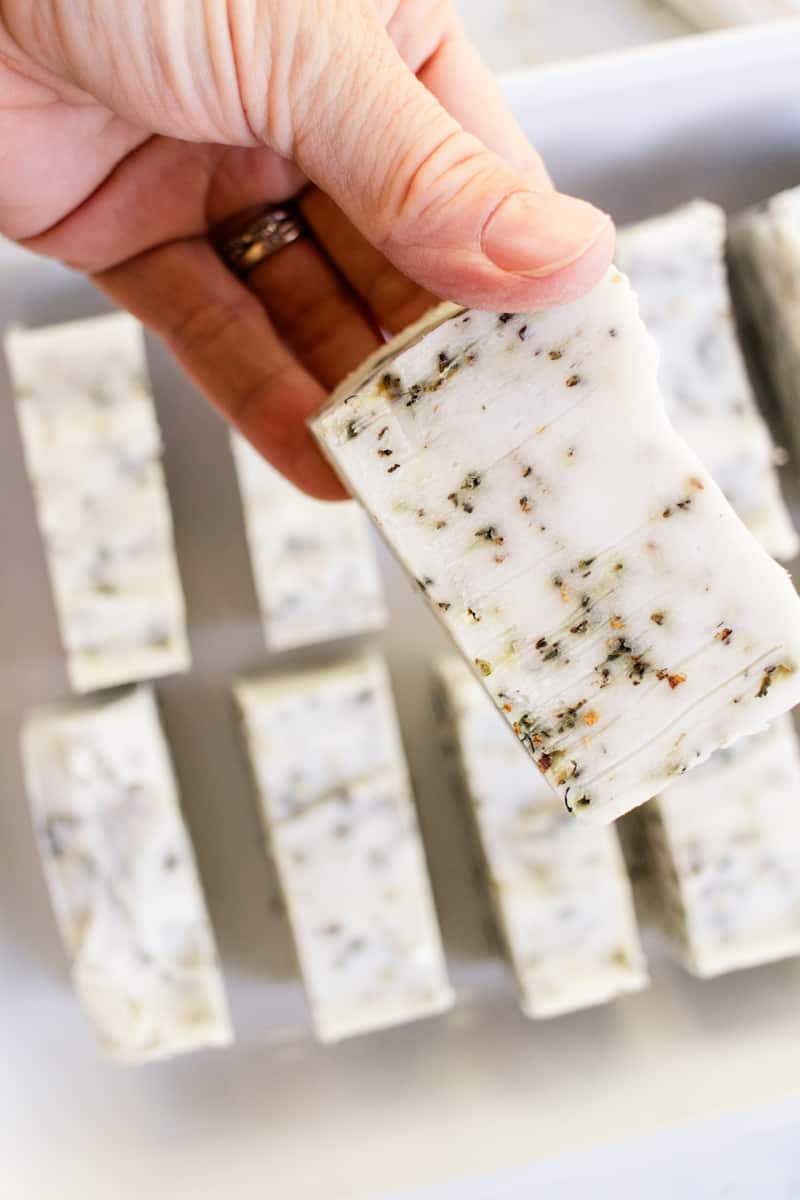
(444, 209)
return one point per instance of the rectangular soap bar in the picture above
(122, 877)
(93, 452)
(313, 563)
(724, 843)
(765, 256)
(336, 803)
(524, 470)
(560, 890)
(714, 14)
(676, 265)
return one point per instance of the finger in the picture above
(314, 311)
(224, 339)
(441, 55)
(394, 300)
(311, 306)
(309, 303)
(175, 189)
(443, 208)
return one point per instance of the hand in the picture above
(130, 128)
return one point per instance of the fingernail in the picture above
(539, 233)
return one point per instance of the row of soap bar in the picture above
(580, 554)
(93, 452)
(338, 812)
(337, 808)
(722, 847)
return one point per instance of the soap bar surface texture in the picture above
(677, 267)
(314, 565)
(559, 889)
(523, 468)
(724, 844)
(122, 876)
(93, 452)
(337, 808)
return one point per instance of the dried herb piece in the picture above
(391, 386)
(674, 680)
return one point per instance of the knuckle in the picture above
(456, 167)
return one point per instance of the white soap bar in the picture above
(560, 891)
(314, 568)
(337, 807)
(765, 253)
(725, 847)
(712, 14)
(524, 470)
(93, 452)
(122, 876)
(676, 265)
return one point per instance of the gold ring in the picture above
(249, 238)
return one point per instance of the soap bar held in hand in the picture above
(523, 468)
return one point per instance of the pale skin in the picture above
(130, 128)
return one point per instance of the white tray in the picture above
(481, 1088)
